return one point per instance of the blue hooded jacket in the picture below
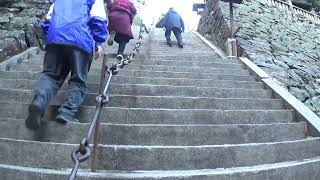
(173, 20)
(76, 22)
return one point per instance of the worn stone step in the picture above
(170, 102)
(153, 134)
(136, 62)
(185, 82)
(121, 78)
(130, 70)
(177, 76)
(164, 74)
(159, 116)
(293, 170)
(185, 59)
(185, 56)
(155, 90)
(117, 157)
(171, 61)
(186, 69)
(93, 86)
(184, 52)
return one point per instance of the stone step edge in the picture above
(32, 72)
(132, 147)
(170, 125)
(145, 68)
(165, 109)
(163, 174)
(182, 62)
(91, 82)
(144, 85)
(148, 96)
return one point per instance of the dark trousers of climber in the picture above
(59, 61)
(177, 33)
(122, 40)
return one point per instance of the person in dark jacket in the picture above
(173, 22)
(121, 14)
(70, 28)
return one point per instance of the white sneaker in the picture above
(111, 38)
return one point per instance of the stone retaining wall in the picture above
(19, 25)
(285, 46)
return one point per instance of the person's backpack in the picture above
(160, 23)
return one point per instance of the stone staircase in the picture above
(173, 114)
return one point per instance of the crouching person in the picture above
(173, 22)
(70, 29)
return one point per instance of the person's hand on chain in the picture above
(99, 52)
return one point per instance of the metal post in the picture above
(97, 127)
(232, 41)
(231, 18)
(290, 5)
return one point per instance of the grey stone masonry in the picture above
(284, 45)
(173, 114)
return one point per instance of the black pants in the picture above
(59, 61)
(122, 40)
(177, 33)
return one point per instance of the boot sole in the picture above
(34, 119)
(63, 120)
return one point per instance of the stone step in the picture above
(139, 62)
(93, 85)
(155, 90)
(185, 56)
(293, 170)
(129, 70)
(169, 102)
(193, 52)
(117, 157)
(153, 134)
(187, 59)
(185, 82)
(120, 78)
(153, 74)
(160, 116)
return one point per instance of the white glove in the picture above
(98, 52)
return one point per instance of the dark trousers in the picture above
(59, 61)
(122, 40)
(177, 33)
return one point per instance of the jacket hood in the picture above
(172, 11)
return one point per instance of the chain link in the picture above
(115, 68)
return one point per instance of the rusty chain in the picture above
(115, 68)
(83, 153)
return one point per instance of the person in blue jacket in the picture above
(74, 29)
(173, 22)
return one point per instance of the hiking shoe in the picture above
(34, 119)
(120, 57)
(169, 44)
(111, 38)
(180, 45)
(65, 118)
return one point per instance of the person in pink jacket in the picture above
(121, 15)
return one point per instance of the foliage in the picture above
(137, 21)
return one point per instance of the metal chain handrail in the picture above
(83, 153)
